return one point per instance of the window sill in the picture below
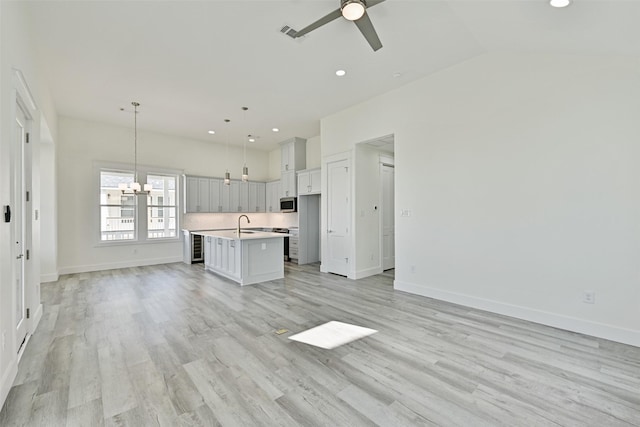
(109, 243)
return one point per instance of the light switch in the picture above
(405, 212)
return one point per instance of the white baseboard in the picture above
(8, 377)
(361, 274)
(51, 277)
(115, 265)
(36, 318)
(587, 327)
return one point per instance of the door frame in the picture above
(385, 161)
(22, 96)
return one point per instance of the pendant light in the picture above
(134, 187)
(245, 169)
(227, 175)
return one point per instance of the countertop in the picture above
(245, 235)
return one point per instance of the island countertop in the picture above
(244, 235)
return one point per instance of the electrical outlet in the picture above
(405, 212)
(589, 297)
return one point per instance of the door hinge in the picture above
(27, 138)
(27, 196)
(27, 253)
(28, 313)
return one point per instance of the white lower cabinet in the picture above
(246, 261)
(224, 256)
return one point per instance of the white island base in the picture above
(253, 257)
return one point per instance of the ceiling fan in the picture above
(351, 10)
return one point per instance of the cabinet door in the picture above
(225, 197)
(288, 184)
(234, 196)
(261, 196)
(217, 252)
(287, 156)
(203, 195)
(304, 183)
(314, 178)
(257, 197)
(244, 205)
(191, 195)
(215, 195)
(233, 260)
(273, 196)
(208, 248)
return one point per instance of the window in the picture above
(131, 218)
(162, 207)
(117, 211)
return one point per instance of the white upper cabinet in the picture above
(293, 158)
(211, 195)
(257, 197)
(288, 184)
(215, 191)
(273, 196)
(196, 195)
(309, 182)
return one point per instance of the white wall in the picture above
(81, 143)
(520, 172)
(367, 199)
(314, 156)
(17, 53)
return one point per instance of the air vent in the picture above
(288, 31)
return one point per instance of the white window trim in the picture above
(140, 237)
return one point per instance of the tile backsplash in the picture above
(207, 221)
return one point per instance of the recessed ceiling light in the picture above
(252, 140)
(340, 73)
(275, 130)
(560, 3)
(211, 132)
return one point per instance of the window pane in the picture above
(161, 225)
(113, 226)
(117, 219)
(161, 214)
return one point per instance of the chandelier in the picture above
(135, 187)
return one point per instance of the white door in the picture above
(388, 230)
(18, 229)
(338, 217)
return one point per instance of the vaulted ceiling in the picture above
(192, 64)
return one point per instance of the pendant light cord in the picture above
(135, 141)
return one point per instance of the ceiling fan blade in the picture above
(371, 3)
(366, 28)
(319, 23)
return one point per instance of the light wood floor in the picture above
(174, 345)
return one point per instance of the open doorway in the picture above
(374, 206)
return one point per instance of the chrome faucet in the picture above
(240, 217)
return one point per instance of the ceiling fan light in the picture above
(352, 10)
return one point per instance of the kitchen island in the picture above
(246, 258)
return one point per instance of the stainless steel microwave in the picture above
(288, 204)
